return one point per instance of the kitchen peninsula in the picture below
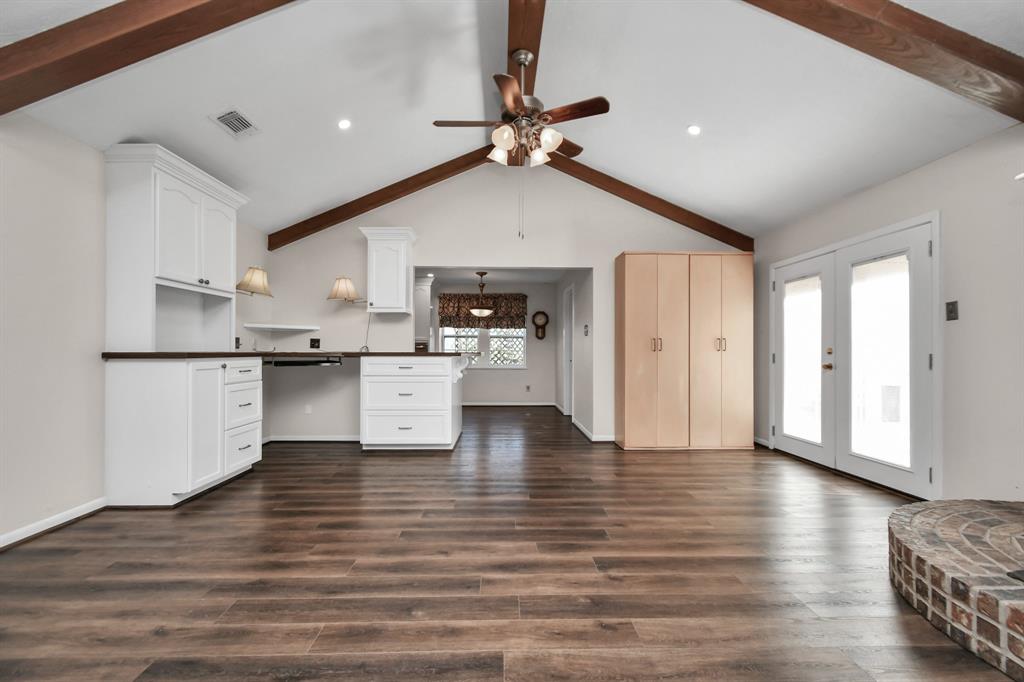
(179, 423)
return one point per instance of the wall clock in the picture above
(540, 321)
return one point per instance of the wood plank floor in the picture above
(527, 554)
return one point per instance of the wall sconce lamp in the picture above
(344, 290)
(254, 282)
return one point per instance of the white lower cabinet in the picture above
(177, 427)
(409, 402)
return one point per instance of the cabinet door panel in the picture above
(178, 225)
(640, 389)
(738, 356)
(673, 350)
(387, 275)
(218, 245)
(705, 356)
(205, 423)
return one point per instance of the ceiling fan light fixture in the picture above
(504, 137)
(499, 155)
(550, 139)
(538, 157)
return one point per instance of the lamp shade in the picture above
(482, 310)
(500, 155)
(343, 290)
(550, 139)
(504, 137)
(255, 282)
(538, 157)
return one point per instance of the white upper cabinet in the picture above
(217, 245)
(178, 209)
(389, 269)
(170, 253)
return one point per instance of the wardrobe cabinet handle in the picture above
(654, 344)
(244, 404)
(405, 395)
(659, 343)
(718, 344)
(245, 447)
(723, 343)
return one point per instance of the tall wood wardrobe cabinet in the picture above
(684, 350)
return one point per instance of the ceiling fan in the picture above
(524, 129)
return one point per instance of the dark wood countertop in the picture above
(186, 355)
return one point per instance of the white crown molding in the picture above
(389, 233)
(172, 164)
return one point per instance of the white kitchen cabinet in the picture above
(217, 245)
(178, 210)
(205, 423)
(176, 427)
(170, 253)
(410, 402)
(389, 270)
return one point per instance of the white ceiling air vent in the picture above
(236, 123)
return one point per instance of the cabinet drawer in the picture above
(243, 404)
(405, 366)
(389, 427)
(247, 369)
(243, 446)
(386, 393)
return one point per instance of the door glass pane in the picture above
(880, 360)
(801, 343)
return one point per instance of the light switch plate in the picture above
(314, 343)
(952, 310)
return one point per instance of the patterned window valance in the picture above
(509, 311)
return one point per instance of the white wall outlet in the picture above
(309, 409)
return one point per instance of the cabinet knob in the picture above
(200, 280)
(206, 281)
(371, 304)
(224, 366)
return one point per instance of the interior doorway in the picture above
(568, 322)
(854, 357)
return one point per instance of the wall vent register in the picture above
(236, 123)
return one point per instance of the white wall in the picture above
(485, 385)
(470, 220)
(52, 291)
(982, 221)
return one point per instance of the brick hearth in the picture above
(950, 558)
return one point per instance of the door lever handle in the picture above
(828, 366)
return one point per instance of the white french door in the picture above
(853, 379)
(804, 404)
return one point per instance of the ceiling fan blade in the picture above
(569, 148)
(525, 21)
(570, 112)
(511, 95)
(466, 124)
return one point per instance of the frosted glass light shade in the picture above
(538, 157)
(550, 139)
(500, 155)
(255, 282)
(482, 311)
(343, 290)
(504, 137)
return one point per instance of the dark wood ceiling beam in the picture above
(525, 21)
(378, 198)
(112, 38)
(639, 197)
(917, 44)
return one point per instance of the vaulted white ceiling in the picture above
(1000, 22)
(791, 120)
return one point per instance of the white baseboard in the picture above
(588, 434)
(562, 410)
(762, 441)
(346, 439)
(489, 404)
(55, 520)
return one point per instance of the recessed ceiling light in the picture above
(1019, 176)
(694, 130)
(344, 124)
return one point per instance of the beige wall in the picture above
(982, 232)
(470, 220)
(52, 227)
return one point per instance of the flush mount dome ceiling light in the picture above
(524, 129)
(480, 308)
(693, 130)
(344, 124)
